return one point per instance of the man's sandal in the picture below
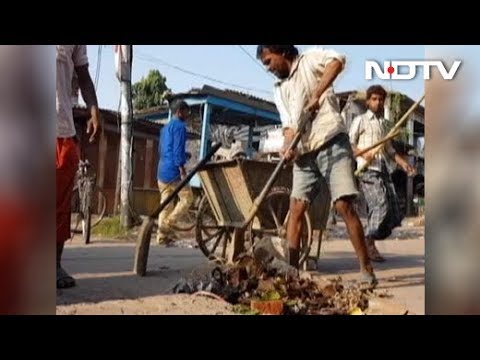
(64, 281)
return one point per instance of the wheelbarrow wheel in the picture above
(143, 247)
(272, 220)
(211, 238)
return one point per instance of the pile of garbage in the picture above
(262, 284)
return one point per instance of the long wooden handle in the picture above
(303, 121)
(407, 115)
(381, 142)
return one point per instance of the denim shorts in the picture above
(332, 165)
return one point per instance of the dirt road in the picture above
(106, 284)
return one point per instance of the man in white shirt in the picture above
(325, 153)
(70, 59)
(383, 210)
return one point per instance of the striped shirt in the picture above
(366, 130)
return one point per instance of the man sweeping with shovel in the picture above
(324, 153)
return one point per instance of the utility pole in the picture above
(123, 61)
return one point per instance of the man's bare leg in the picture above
(355, 230)
(294, 230)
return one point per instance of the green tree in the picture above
(150, 91)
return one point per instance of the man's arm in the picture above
(289, 126)
(354, 135)
(330, 74)
(88, 93)
(330, 64)
(179, 149)
(85, 83)
(404, 164)
(399, 159)
(86, 86)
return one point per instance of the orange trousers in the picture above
(68, 156)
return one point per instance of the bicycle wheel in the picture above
(86, 225)
(75, 200)
(98, 206)
(76, 212)
(85, 210)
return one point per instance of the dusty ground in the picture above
(402, 275)
(106, 284)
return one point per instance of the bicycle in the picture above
(88, 199)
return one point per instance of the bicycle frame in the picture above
(85, 185)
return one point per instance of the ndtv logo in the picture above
(391, 69)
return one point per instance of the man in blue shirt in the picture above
(171, 170)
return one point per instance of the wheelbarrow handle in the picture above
(186, 180)
(306, 117)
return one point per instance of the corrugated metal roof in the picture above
(232, 95)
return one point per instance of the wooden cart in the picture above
(230, 190)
